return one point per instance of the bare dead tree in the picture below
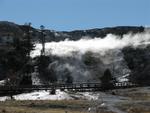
(42, 40)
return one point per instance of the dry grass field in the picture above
(62, 106)
(137, 101)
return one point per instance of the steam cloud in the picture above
(67, 47)
(104, 52)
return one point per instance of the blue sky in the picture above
(76, 14)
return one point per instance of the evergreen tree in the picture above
(107, 80)
(17, 57)
(45, 73)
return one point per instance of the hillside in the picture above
(77, 56)
(52, 35)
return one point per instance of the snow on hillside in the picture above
(124, 78)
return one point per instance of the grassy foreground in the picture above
(137, 101)
(63, 106)
(47, 106)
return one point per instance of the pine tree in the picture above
(107, 80)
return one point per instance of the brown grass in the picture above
(47, 106)
(71, 106)
(135, 107)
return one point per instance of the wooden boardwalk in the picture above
(73, 87)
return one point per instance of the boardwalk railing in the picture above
(74, 86)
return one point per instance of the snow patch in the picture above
(39, 95)
(2, 82)
(123, 78)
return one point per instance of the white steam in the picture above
(68, 47)
(76, 58)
